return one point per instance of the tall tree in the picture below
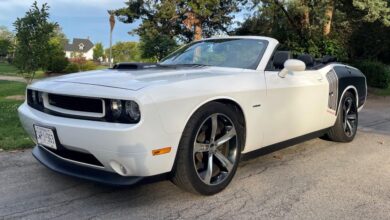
(126, 52)
(177, 20)
(6, 41)
(329, 9)
(98, 51)
(356, 21)
(33, 33)
(56, 61)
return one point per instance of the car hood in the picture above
(138, 79)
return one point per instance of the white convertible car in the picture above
(192, 116)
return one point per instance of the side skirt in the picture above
(278, 146)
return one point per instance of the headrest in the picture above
(280, 57)
(307, 59)
(328, 59)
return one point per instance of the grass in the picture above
(12, 135)
(101, 67)
(10, 70)
(381, 92)
(7, 69)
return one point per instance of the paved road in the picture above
(12, 78)
(313, 180)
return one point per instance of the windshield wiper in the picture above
(182, 64)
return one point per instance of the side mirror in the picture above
(292, 65)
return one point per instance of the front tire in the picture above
(346, 124)
(209, 150)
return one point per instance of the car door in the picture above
(295, 105)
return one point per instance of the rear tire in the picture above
(346, 124)
(209, 150)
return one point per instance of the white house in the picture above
(79, 48)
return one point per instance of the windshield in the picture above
(237, 53)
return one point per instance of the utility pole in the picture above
(112, 24)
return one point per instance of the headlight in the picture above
(122, 111)
(35, 99)
(132, 110)
(116, 108)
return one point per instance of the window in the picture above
(81, 46)
(236, 53)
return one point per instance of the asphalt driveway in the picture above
(314, 180)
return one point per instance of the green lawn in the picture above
(381, 92)
(101, 67)
(6, 69)
(12, 135)
(10, 70)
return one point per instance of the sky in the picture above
(77, 18)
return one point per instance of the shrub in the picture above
(377, 73)
(72, 68)
(78, 60)
(88, 65)
(57, 64)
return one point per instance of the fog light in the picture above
(119, 168)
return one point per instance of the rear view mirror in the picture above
(292, 65)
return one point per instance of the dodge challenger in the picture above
(193, 116)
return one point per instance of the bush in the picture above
(88, 65)
(72, 68)
(377, 73)
(57, 64)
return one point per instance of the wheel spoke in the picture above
(351, 117)
(229, 135)
(200, 147)
(225, 161)
(349, 126)
(209, 171)
(214, 126)
(348, 107)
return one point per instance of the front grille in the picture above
(76, 103)
(77, 107)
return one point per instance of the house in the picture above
(79, 48)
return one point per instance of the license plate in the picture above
(45, 137)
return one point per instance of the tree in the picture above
(6, 41)
(57, 61)
(308, 26)
(126, 52)
(33, 33)
(156, 47)
(177, 20)
(98, 51)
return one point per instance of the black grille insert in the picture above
(76, 156)
(76, 103)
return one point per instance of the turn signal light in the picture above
(160, 151)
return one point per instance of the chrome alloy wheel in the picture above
(215, 149)
(349, 117)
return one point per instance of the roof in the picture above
(79, 45)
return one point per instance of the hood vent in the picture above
(134, 66)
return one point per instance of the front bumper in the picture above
(62, 166)
(111, 144)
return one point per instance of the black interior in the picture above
(279, 57)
